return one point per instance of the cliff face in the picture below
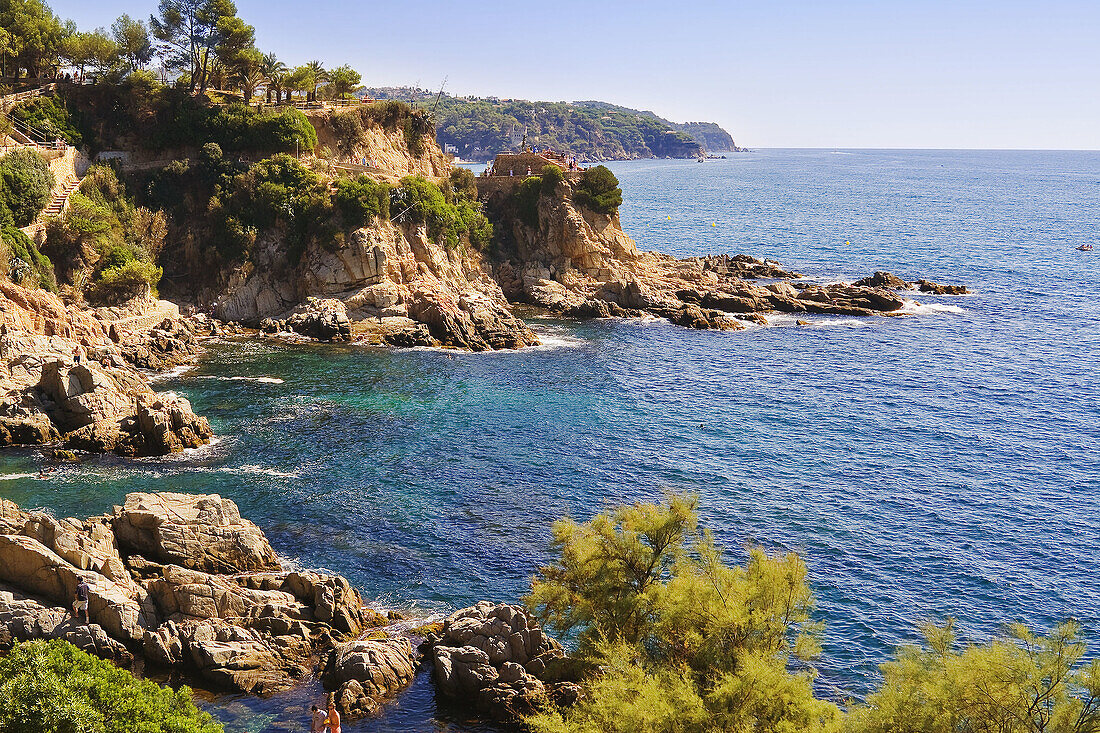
(710, 136)
(400, 286)
(378, 146)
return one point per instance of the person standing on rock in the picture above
(333, 719)
(317, 722)
(78, 352)
(81, 602)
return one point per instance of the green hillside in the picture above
(478, 128)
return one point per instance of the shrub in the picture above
(349, 132)
(421, 201)
(25, 264)
(27, 183)
(599, 191)
(184, 121)
(99, 225)
(462, 184)
(241, 127)
(360, 201)
(551, 177)
(52, 687)
(673, 638)
(527, 200)
(51, 117)
(278, 192)
(389, 114)
(122, 275)
(413, 139)
(1019, 683)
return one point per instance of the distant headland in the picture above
(476, 128)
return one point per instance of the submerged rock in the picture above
(883, 280)
(927, 286)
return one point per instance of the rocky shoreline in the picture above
(77, 378)
(183, 583)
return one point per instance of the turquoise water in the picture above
(936, 464)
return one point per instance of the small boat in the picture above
(1085, 248)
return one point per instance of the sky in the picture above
(832, 74)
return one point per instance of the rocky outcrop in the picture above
(322, 319)
(890, 280)
(181, 581)
(927, 286)
(360, 673)
(203, 533)
(71, 375)
(495, 658)
(580, 263)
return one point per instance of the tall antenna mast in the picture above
(437, 98)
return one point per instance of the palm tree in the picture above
(248, 79)
(274, 72)
(317, 71)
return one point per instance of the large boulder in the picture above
(244, 659)
(324, 319)
(495, 658)
(468, 320)
(201, 532)
(23, 618)
(191, 586)
(362, 672)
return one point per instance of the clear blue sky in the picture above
(877, 73)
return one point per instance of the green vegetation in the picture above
(483, 127)
(362, 201)
(448, 213)
(32, 37)
(526, 199)
(52, 687)
(51, 118)
(671, 637)
(599, 190)
(278, 192)
(25, 264)
(1020, 683)
(344, 80)
(104, 247)
(26, 182)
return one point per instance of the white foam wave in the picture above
(842, 322)
(14, 476)
(927, 309)
(188, 453)
(780, 319)
(262, 380)
(262, 471)
(557, 339)
(172, 373)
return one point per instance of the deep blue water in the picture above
(936, 464)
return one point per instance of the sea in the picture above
(938, 464)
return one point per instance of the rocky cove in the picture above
(183, 583)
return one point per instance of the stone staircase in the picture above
(60, 198)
